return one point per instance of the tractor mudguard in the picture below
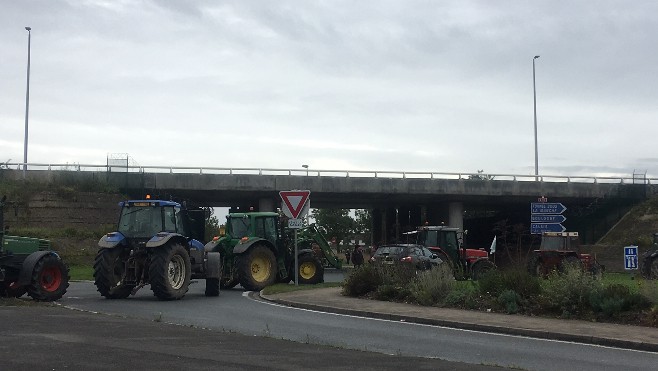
(305, 251)
(242, 247)
(163, 238)
(111, 240)
(25, 276)
(213, 265)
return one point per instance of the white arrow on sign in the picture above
(293, 202)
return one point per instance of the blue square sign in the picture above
(630, 257)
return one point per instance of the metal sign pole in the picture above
(296, 262)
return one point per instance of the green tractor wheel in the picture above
(311, 270)
(50, 279)
(170, 271)
(109, 272)
(257, 268)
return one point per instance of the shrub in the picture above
(517, 279)
(433, 286)
(617, 298)
(362, 281)
(464, 297)
(569, 292)
(509, 300)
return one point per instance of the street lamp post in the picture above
(534, 95)
(27, 100)
(305, 167)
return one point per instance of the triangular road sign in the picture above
(294, 201)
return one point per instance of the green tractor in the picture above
(157, 243)
(28, 265)
(256, 252)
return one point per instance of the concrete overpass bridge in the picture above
(399, 200)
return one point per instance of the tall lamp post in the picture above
(534, 95)
(27, 100)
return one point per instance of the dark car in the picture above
(411, 255)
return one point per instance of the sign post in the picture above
(295, 204)
(546, 216)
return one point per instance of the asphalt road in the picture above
(236, 312)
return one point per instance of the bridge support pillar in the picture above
(456, 215)
(266, 204)
(377, 227)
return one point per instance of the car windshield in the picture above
(389, 250)
(140, 221)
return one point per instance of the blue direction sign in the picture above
(542, 218)
(630, 257)
(539, 228)
(547, 208)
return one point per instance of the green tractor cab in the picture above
(28, 265)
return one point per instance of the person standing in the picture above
(357, 256)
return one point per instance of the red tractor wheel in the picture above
(50, 279)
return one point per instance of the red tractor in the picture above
(445, 242)
(558, 250)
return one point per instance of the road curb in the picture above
(594, 340)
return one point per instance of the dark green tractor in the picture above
(256, 252)
(28, 265)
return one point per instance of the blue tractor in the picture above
(157, 243)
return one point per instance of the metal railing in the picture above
(333, 173)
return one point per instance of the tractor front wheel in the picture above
(50, 279)
(257, 268)
(311, 270)
(170, 271)
(109, 274)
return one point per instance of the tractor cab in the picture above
(558, 250)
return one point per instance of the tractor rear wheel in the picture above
(170, 271)
(481, 268)
(257, 268)
(50, 279)
(311, 270)
(109, 273)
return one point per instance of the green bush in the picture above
(568, 293)
(433, 286)
(464, 297)
(517, 279)
(617, 298)
(362, 281)
(509, 300)
(388, 292)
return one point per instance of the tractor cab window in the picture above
(140, 221)
(169, 219)
(428, 238)
(239, 227)
(448, 242)
(266, 228)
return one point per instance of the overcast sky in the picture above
(441, 86)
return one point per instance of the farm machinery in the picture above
(559, 250)
(257, 252)
(157, 243)
(445, 242)
(28, 265)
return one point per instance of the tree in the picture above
(334, 223)
(363, 224)
(212, 224)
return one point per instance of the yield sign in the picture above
(294, 201)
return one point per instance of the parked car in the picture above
(417, 256)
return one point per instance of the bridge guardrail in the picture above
(333, 173)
